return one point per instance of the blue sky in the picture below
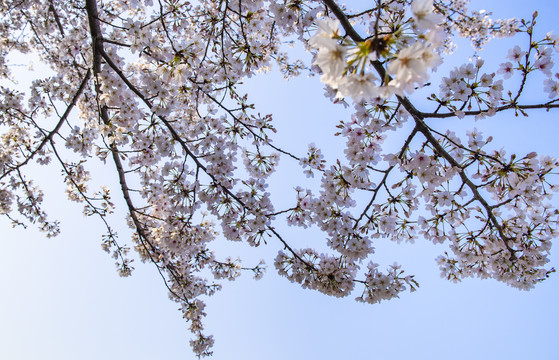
(62, 298)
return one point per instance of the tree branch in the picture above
(418, 116)
(54, 131)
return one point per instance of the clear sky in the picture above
(62, 298)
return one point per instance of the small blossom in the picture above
(515, 54)
(551, 87)
(424, 16)
(507, 69)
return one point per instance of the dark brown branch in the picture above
(418, 116)
(184, 146)
(97, 39)
(344, 21)
(120, 250)
(56, 18)
(385, 177)
(547, 106)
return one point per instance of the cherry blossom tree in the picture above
(153, 90)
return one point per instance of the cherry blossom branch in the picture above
(100, 53)
(220, 104)
(548, 105)
(423, 128)
(54, 131)
(525, 69)
(386, 173)
(184, 146)
(56, 18)
(96, 35)
(364, 12)
(488, 208)
(126, 269)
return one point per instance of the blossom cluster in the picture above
(346, 65)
